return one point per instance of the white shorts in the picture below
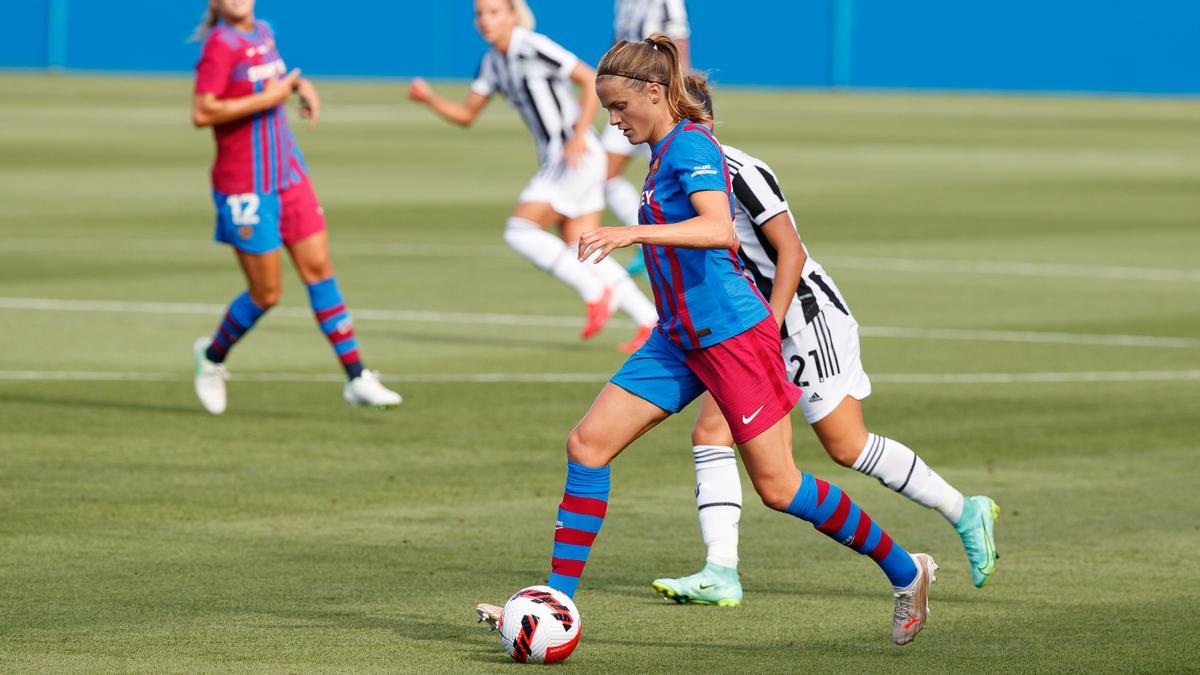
(823, 359)
(571, 191)
(615, 142)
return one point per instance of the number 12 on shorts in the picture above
(243, 209)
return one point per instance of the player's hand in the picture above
(605, 240)
(278, 89)
(574, 149)
(420, 91)
(310, 102)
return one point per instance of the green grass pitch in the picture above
(1025, 270)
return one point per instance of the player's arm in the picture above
(685, 52)
(463, 114)
(584, 76)
(209, 110)
(781, 232)
(711, 228)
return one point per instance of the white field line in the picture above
(1019, 269)
(470, 251)
(542, 320)
(574, 378)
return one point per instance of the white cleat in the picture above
(489, 614)
(209, 378)
(912, 602)
(366, 389)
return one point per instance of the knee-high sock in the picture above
(629, 298)
(239, 319)
(902, 470)
(549, 254)
(330, 309)
(623, 200)
(719, 500)
(580, 515)
(833, 512)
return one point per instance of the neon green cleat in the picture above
(977, 527)
(713, 585)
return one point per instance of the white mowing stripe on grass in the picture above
(594, 378)
(472, 251)
(542, 320)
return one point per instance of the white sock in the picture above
(623, 200)
(719, 499)
(626, 294)
(549, 254)
(902, 470)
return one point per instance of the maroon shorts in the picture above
(747, 377)
(301, 214)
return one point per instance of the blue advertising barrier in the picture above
(1148, 46)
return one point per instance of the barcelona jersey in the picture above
(704, 296)
(257, 153)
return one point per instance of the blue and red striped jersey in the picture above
(703, 296)
(257, 153)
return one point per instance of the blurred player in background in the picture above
(715, 333)
(821, 353)
(636, 20)
(263, 196)
(535, 75)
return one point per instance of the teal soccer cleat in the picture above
(977, 527)
(713, 585)
(637, 266)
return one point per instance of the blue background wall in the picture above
(1065, 45)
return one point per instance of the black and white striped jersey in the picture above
(757, 199)
(535, 77)
(638, 19)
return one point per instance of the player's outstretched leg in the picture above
(627, 297)
(362, 386)
(719, 502)
(209, 354)
(561, 261)
(580, 515)
(902, 470)
(835, 514)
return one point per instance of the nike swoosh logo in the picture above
(748, 420)
(705, 587)
(987, 547)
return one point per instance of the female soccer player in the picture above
(263, 196)
(635, 20)
(715, 332)
(535, 74)
(821, 353)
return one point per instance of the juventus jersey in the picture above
(638, 19)
(535, 77)
(757, 199)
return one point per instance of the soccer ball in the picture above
(539, 625)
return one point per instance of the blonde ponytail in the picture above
(207, 21)
(654, 60)
(525, 18)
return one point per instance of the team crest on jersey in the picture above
(246, 231)
(654, 165)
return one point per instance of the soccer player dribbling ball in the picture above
(535, 75)
(263, 197)
(715, 332)
(822, 354)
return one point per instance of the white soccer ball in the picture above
(539, 625)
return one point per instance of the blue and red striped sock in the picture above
(239, 319)
(330, 308)
(833, 512)
(580, 515)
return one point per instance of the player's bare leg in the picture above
(846, 438)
